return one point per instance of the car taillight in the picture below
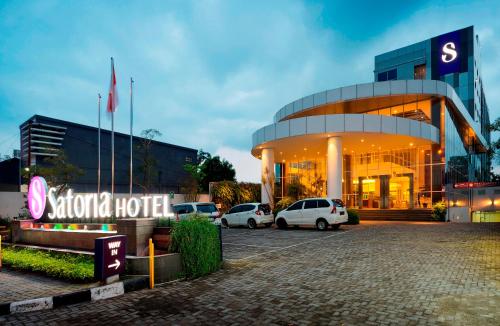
(257, 212)
(334, 209)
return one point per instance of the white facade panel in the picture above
(333, 95)
(414, 86)
(316, 124)
(381, 88)
(371, 123)
(353, 122)
(389, 125)
(426, 131)
(283, 129)
(320, 98)
(398, 86)
(297, 106)
(270, 132)
(429, 87)
(364, 90)
(308, 102)
(403, 126)
(298, 127)
(414, 128)
(335, 123)
(348, 93)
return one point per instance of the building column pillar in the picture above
(267, 176)
(334, 168)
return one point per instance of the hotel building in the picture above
(399, 142)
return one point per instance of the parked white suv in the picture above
(184, 210)
(321, 212)
(251, 215)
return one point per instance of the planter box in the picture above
(168, 267)
(161, 237)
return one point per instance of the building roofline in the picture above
(103, 131)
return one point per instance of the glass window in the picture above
(206, 208)
(311, 204)
(265, 208)
(296, 206)
(338, 202)
(233, 210)
(246, 208)
(323, 203)
(392, 74)
(419, 72)
(382, 76)
(189, 208)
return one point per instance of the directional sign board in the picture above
(109, 258)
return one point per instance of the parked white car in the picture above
(184, 210)
(250, 214)
(321, 212)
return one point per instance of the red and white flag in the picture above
(113, 93)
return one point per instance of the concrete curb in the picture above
(88, 295)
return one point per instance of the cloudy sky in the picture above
(209, 73)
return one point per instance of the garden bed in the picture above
(71, 267)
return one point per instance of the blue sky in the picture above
(209, 73)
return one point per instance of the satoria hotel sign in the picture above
(71, 205)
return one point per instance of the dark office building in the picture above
(44, 137)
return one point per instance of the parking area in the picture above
(243, 243)
(376, 273)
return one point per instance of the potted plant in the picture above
(161, 233)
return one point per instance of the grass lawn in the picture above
(71, 267)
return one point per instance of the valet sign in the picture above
(101, 205)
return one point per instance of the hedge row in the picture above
(65, 266)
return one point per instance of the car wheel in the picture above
(251, 224)
(336, 226)
(321, 224)
(224, 223)
(281, 223)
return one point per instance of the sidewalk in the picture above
(17, 285)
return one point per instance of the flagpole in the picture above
(112, 143)
(99, 144)
(131, 130)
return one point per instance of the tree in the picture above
(210, 169)
(494, 151)
(149, 163)
(56, 170)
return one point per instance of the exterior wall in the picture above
(80, 145)
(467, 82)
(11, 204)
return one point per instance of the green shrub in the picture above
(283, 204)
(165, 222)
(352, 216)
(5, 221)
(197, 240)
(66, 266)
(439, 211)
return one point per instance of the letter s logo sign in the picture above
(37, 197)
(449, 52)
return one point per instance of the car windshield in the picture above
(338, 202)
(206, 208)
(265, 208)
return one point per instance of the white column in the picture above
(267, 176)
(334, 168)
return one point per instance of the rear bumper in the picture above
(265, 219)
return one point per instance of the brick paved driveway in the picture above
(17, 286)
(375, 273)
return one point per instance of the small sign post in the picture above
(109, 258)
